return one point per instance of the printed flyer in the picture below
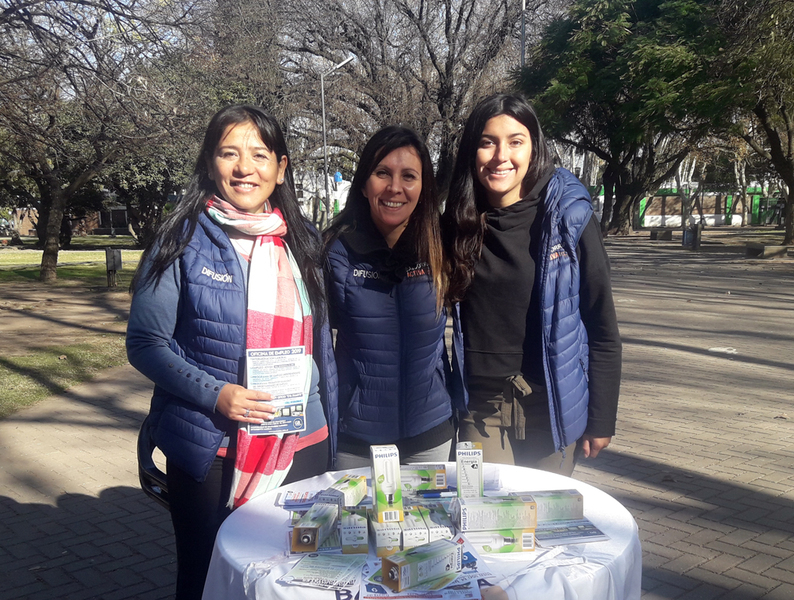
(281, 372)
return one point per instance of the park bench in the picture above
(661, 233)
(759, 250)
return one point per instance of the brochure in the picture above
(326, 571)
(575, 531)
(281, 372)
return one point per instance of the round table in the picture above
(609, 570)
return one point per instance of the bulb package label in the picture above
(423, 477)
(349, 490)
(502, 540)
(387, 498)
(439, 525)
(468, 457)
(353, 531)
(414, 529)
(501, 512)
(410, 568)
(314, 527)
(386, 537)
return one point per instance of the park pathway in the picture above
(703, 459)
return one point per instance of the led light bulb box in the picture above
(314, 527)
(414, 529)
(349, 490)
(558, 505)
(353, 531)
(468, 458)
(423, 477)
(502, 540)
(410, 568)
(500, 512)
(387, 498)
(386, 537)
(439, 525)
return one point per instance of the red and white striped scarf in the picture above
(279, 315)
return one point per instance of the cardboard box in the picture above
(502, 540)
(386, 537)
(314, 527)
(558, 505)
(349, 490)
(468, 457)
(387, 499)
(423, 477)
(493, 513)
(353, 531)
(414, 529)
(439, 525)
(410, 568)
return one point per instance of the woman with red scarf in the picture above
(232, 269)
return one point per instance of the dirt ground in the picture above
(34, 315)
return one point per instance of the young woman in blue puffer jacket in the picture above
(385, 284)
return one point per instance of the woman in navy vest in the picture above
(385, 288)
(535, 329)
(231, 269)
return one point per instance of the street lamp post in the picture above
(523, 30)
(325, 142)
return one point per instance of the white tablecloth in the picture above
(608, 570)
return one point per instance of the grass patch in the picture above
(14, 258)
(70, 275)
(30, 378)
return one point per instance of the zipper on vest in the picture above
(401, 358)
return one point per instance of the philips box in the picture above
(439, 525)
(353, 531)
(387, 498)
(502, 541)
(501, 512)
(470, 475)
(314, 527)
(558, 505)
(414, 529)
(410, 568)
(386, 537)
(347, 491)
(423, 477)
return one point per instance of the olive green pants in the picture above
(510, 418)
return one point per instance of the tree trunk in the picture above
(609, 199)
(49, 259)
(788, 238)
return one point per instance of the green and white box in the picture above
(439, 525)
(500, 512)
(314, 527)
(414, 529)
(558, 505)
(413, 567)
(468, 457)
(349, 490)
(353, 531)
(423, 477)
(386, 537)
(387, 498)
(502, 541)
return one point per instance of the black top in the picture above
(501, 316)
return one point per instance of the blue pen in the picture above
(436, 493)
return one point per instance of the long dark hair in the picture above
(466, 203)
(424, 229)
(178, 228)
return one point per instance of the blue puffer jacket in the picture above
(210, 334)
(390, 348)
(567, 209)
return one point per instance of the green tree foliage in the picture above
(753, 84)
(76, 95)
(619, 78)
